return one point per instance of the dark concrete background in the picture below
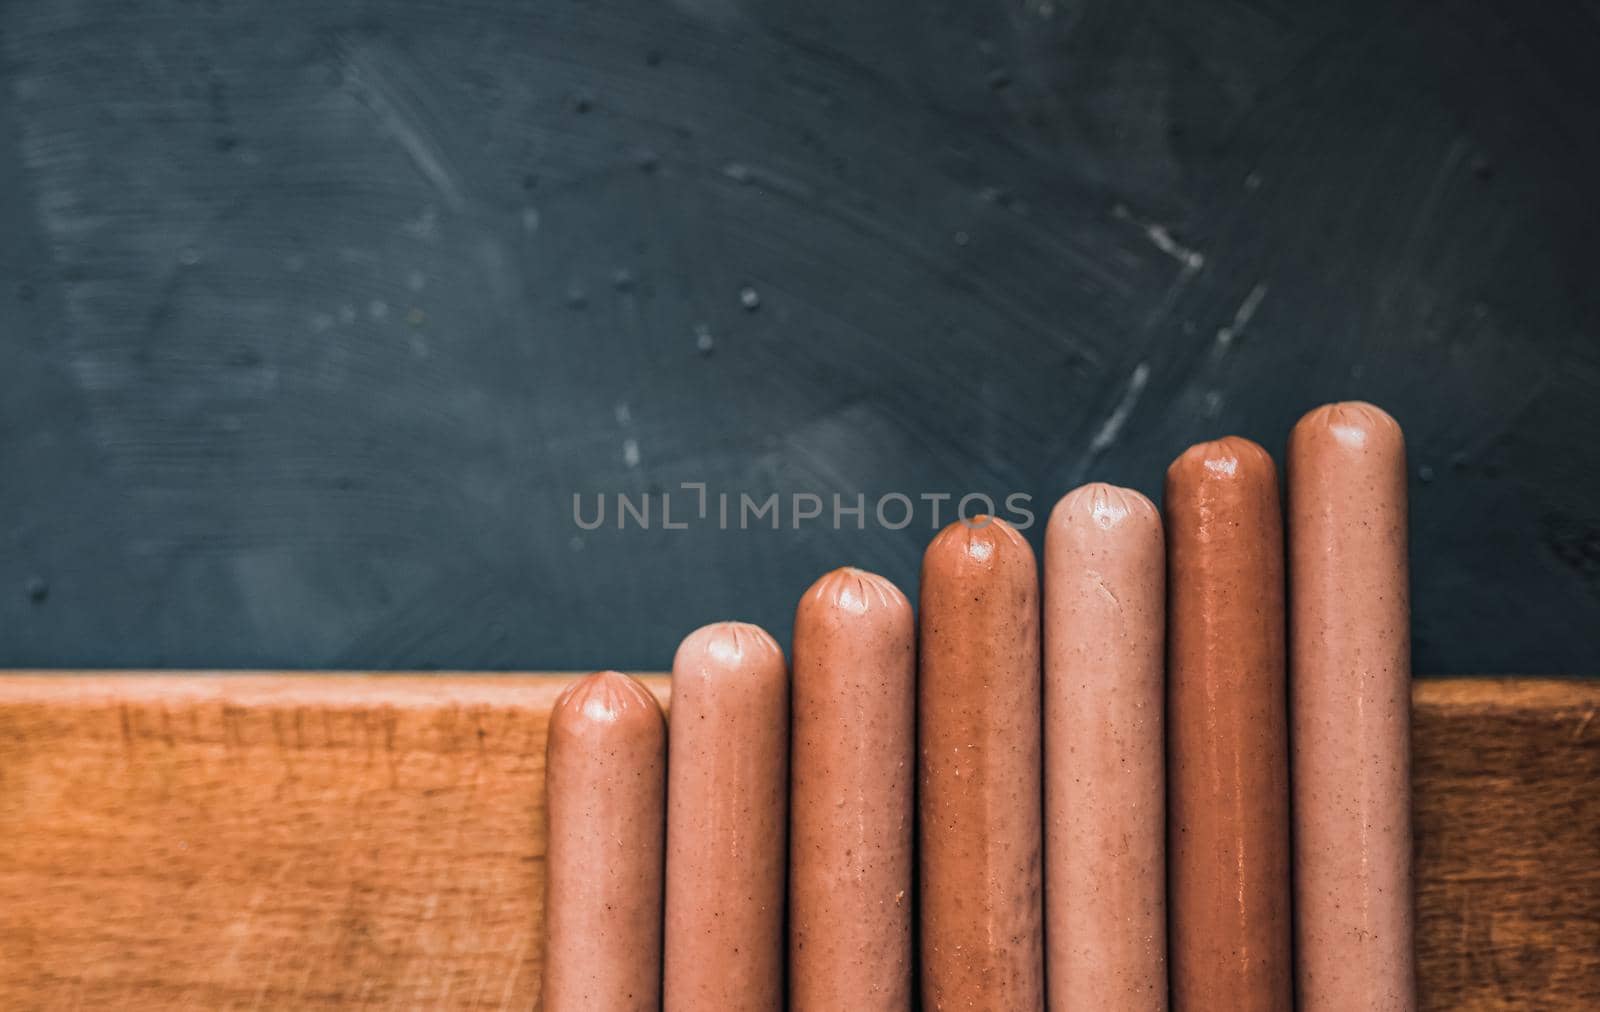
(316, 315)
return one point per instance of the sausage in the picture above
(980, 806)
(1227, 748)
(850, 815)
(727, 783)
(1350, 671)
(1105, 881)
(605, 791)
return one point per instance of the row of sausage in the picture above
(1104, 798)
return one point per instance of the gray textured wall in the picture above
(316, 315)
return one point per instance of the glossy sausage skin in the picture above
(979, 810)
(1227, 748)
(852, 762)
(605, 790)
(1105, 805)
(1350, 671)
(727, 782)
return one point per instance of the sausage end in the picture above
(1347, 428)
(856, 592)
(1229, 459)
(607, 700)
(982, 544)
(728, 646)
(1104, 506)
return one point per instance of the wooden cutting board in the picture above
(353, 841)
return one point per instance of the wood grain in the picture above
(1507, 824)
(271, 842)
(339, 841)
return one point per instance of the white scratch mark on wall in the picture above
(1161, 237)
(1241, 318)
(1111, 428)
(384, 93)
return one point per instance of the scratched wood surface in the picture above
(1507, 808)
(301, 842)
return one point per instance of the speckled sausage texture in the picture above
(727, 781)
(605, 789)
(980, 805)
(1350, 671)
(852, 762)
(1227, 748)
(1105, 805)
